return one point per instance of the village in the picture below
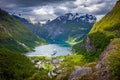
(56, 66)
(52, 64)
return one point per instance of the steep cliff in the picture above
(101, 34)
(101, 45)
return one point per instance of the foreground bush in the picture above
(114, 62)
(14, 66)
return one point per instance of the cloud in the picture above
(43, 11)
(59, 11)
(100, 8)
(32, 3)
(50, 9)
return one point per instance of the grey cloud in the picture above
(103, 7)
(94, 2)
(26, 7)
(70, 5)
(102, 10)
(31, 3)
(59, 11)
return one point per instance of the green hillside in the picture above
(14, 66)
(101, 34)
(15, 36)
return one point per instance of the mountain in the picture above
(33, 27)
(70, 28)
(101, 48)
(15, 36)
(76, 17)
(102, 33)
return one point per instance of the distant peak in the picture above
(78, 17)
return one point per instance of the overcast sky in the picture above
(50, 9)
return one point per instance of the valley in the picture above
(69, 28)
(72, 46)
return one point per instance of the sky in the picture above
(43, 10)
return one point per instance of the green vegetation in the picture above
(14, 66)
(106, 29)
(40, 75)
(76, 31)
(72, 41)
(73, 60)
(114, 61)
(101, 35)
(15, 36)
(68, 64)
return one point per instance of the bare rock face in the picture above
(102, 68)
(80, 72)
(2, 29)
(97, 71)
(88, 45)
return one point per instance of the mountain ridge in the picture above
(16, 36)
(99, 36)
(57, 31)
(77, 17)
(69, 28)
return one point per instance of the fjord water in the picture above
(47, 50)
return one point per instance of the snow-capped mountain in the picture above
(68, 26)
(77, 17)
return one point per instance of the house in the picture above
(38, 65)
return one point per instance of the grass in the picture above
(72, 41)
(73, 60)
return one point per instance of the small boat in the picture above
(54, 52)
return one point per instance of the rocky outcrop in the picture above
(2, 29)
(80, 72)
(88, 45)
(99, 70)
(102, 68)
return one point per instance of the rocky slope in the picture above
(103, 41)
(100, 70)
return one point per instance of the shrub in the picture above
(114, 62)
